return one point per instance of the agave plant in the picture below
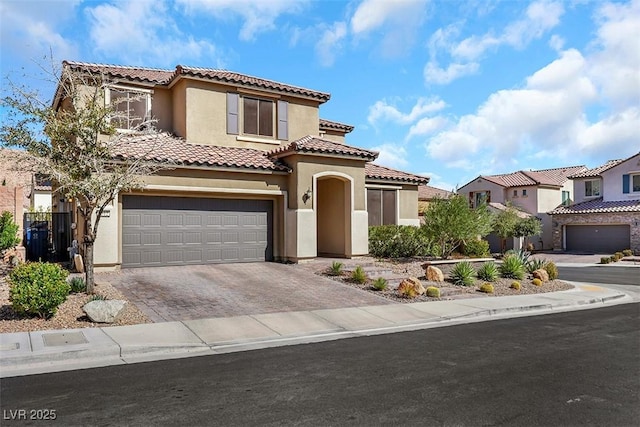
(463, 274)
(512, 267)
(521, 254)
(535, 264)
(488, 272)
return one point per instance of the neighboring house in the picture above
(605, 217)
(256, 174)
(40, 195)
(533, 192)
(426, 194)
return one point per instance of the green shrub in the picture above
(515, 285)
(535, 264)
(398, 241)
(358, 275)
(487, 288)
(521, 254)
(97, 297)
(613, 258)
(336, 268)
(552, 270)
(8, 231)
(537, 282)
(627, 252)
(77, 285)
(462, 274)
(618, 256)
(37, 289)
(380, 284)
(488, 271)
(512, 267)
(433, 292)
(605, 260)
(476, 248)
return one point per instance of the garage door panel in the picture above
(598, 238)
(174, 231)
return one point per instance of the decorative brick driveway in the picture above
(223, 290)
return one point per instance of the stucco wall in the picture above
(179, 104)
(162, 109)
(631, 218)
(479, 184)
(333, 136)
(612, 180)
(332, 210)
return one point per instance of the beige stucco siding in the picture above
(613, 180)
(162, 109)
(333, 136)
(479, 185)
(179, 97)
(303, 118)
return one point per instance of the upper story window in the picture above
(566, 198)
(257, 117)
(132, 107)
(479, 197)
(592, 188)
(524, 193)
(635, 183)
(515, 193)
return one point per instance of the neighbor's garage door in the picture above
(605, 239)
(158, 231)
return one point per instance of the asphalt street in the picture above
(601, 275)
(575, 368)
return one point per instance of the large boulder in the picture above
(410, 288)
(106, 311)
(434, 274)
(541, 274)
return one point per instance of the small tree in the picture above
(71, 140)
(8, 232)
(504, 224)
(527, 227)
(450, 222)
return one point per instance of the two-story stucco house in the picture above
(605, 217)
(257, 174)
(531, 192)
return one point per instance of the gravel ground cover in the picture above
(449, 291)
(69, 315)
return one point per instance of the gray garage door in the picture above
(159, 231)
(604, 239)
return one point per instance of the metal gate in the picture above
(47, 235)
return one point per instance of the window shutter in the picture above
(625, 184)
(232, 113)
(283, 126)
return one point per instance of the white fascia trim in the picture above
(383, 187)
(178, 188)
(258, 139)
(224, 169)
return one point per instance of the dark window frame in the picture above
(254, 122)
(382, 206)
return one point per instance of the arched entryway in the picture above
(333, 216)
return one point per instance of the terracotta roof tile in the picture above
(427, 192)
(141, 74)
(165, 147)
(553, 177)
(374, 171)
(503, 207)
(599, 206)
(329, 125)
(249, 81)
(312, 144)
(592, 173)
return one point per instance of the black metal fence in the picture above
(47, 235)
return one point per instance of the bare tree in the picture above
(72, 140)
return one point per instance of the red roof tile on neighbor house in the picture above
(373, 171)
(599, 206)
(592, 173)
(166, 148)
(249, 81)
(552, 177)
(329, 125)
(141, 74)
(312, 144)
(427, 192)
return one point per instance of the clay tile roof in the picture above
(427, 192)
(373, 171)
(595, 172)
(312, 144)
(329, 125)
(503, 207)
(140, 74)
(552, 177)
(165, 147)
(599, 206)
(249, 81)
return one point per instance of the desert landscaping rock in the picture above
(541, 274)
(411, 286)
(434, 274)
(104, 311)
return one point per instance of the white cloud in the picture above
(397, 21)
(142, 31)
(433, 73)
(392, 155)
(383, 111)
(331, 43)
(556, 42)
(258, 16)
(426, 126)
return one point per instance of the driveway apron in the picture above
(222, 290)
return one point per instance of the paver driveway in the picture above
(223, 290)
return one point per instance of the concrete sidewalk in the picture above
(51, 351)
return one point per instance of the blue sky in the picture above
(450, 89)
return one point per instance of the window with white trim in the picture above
(592, 188)
(132, 107)
(635, 183)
